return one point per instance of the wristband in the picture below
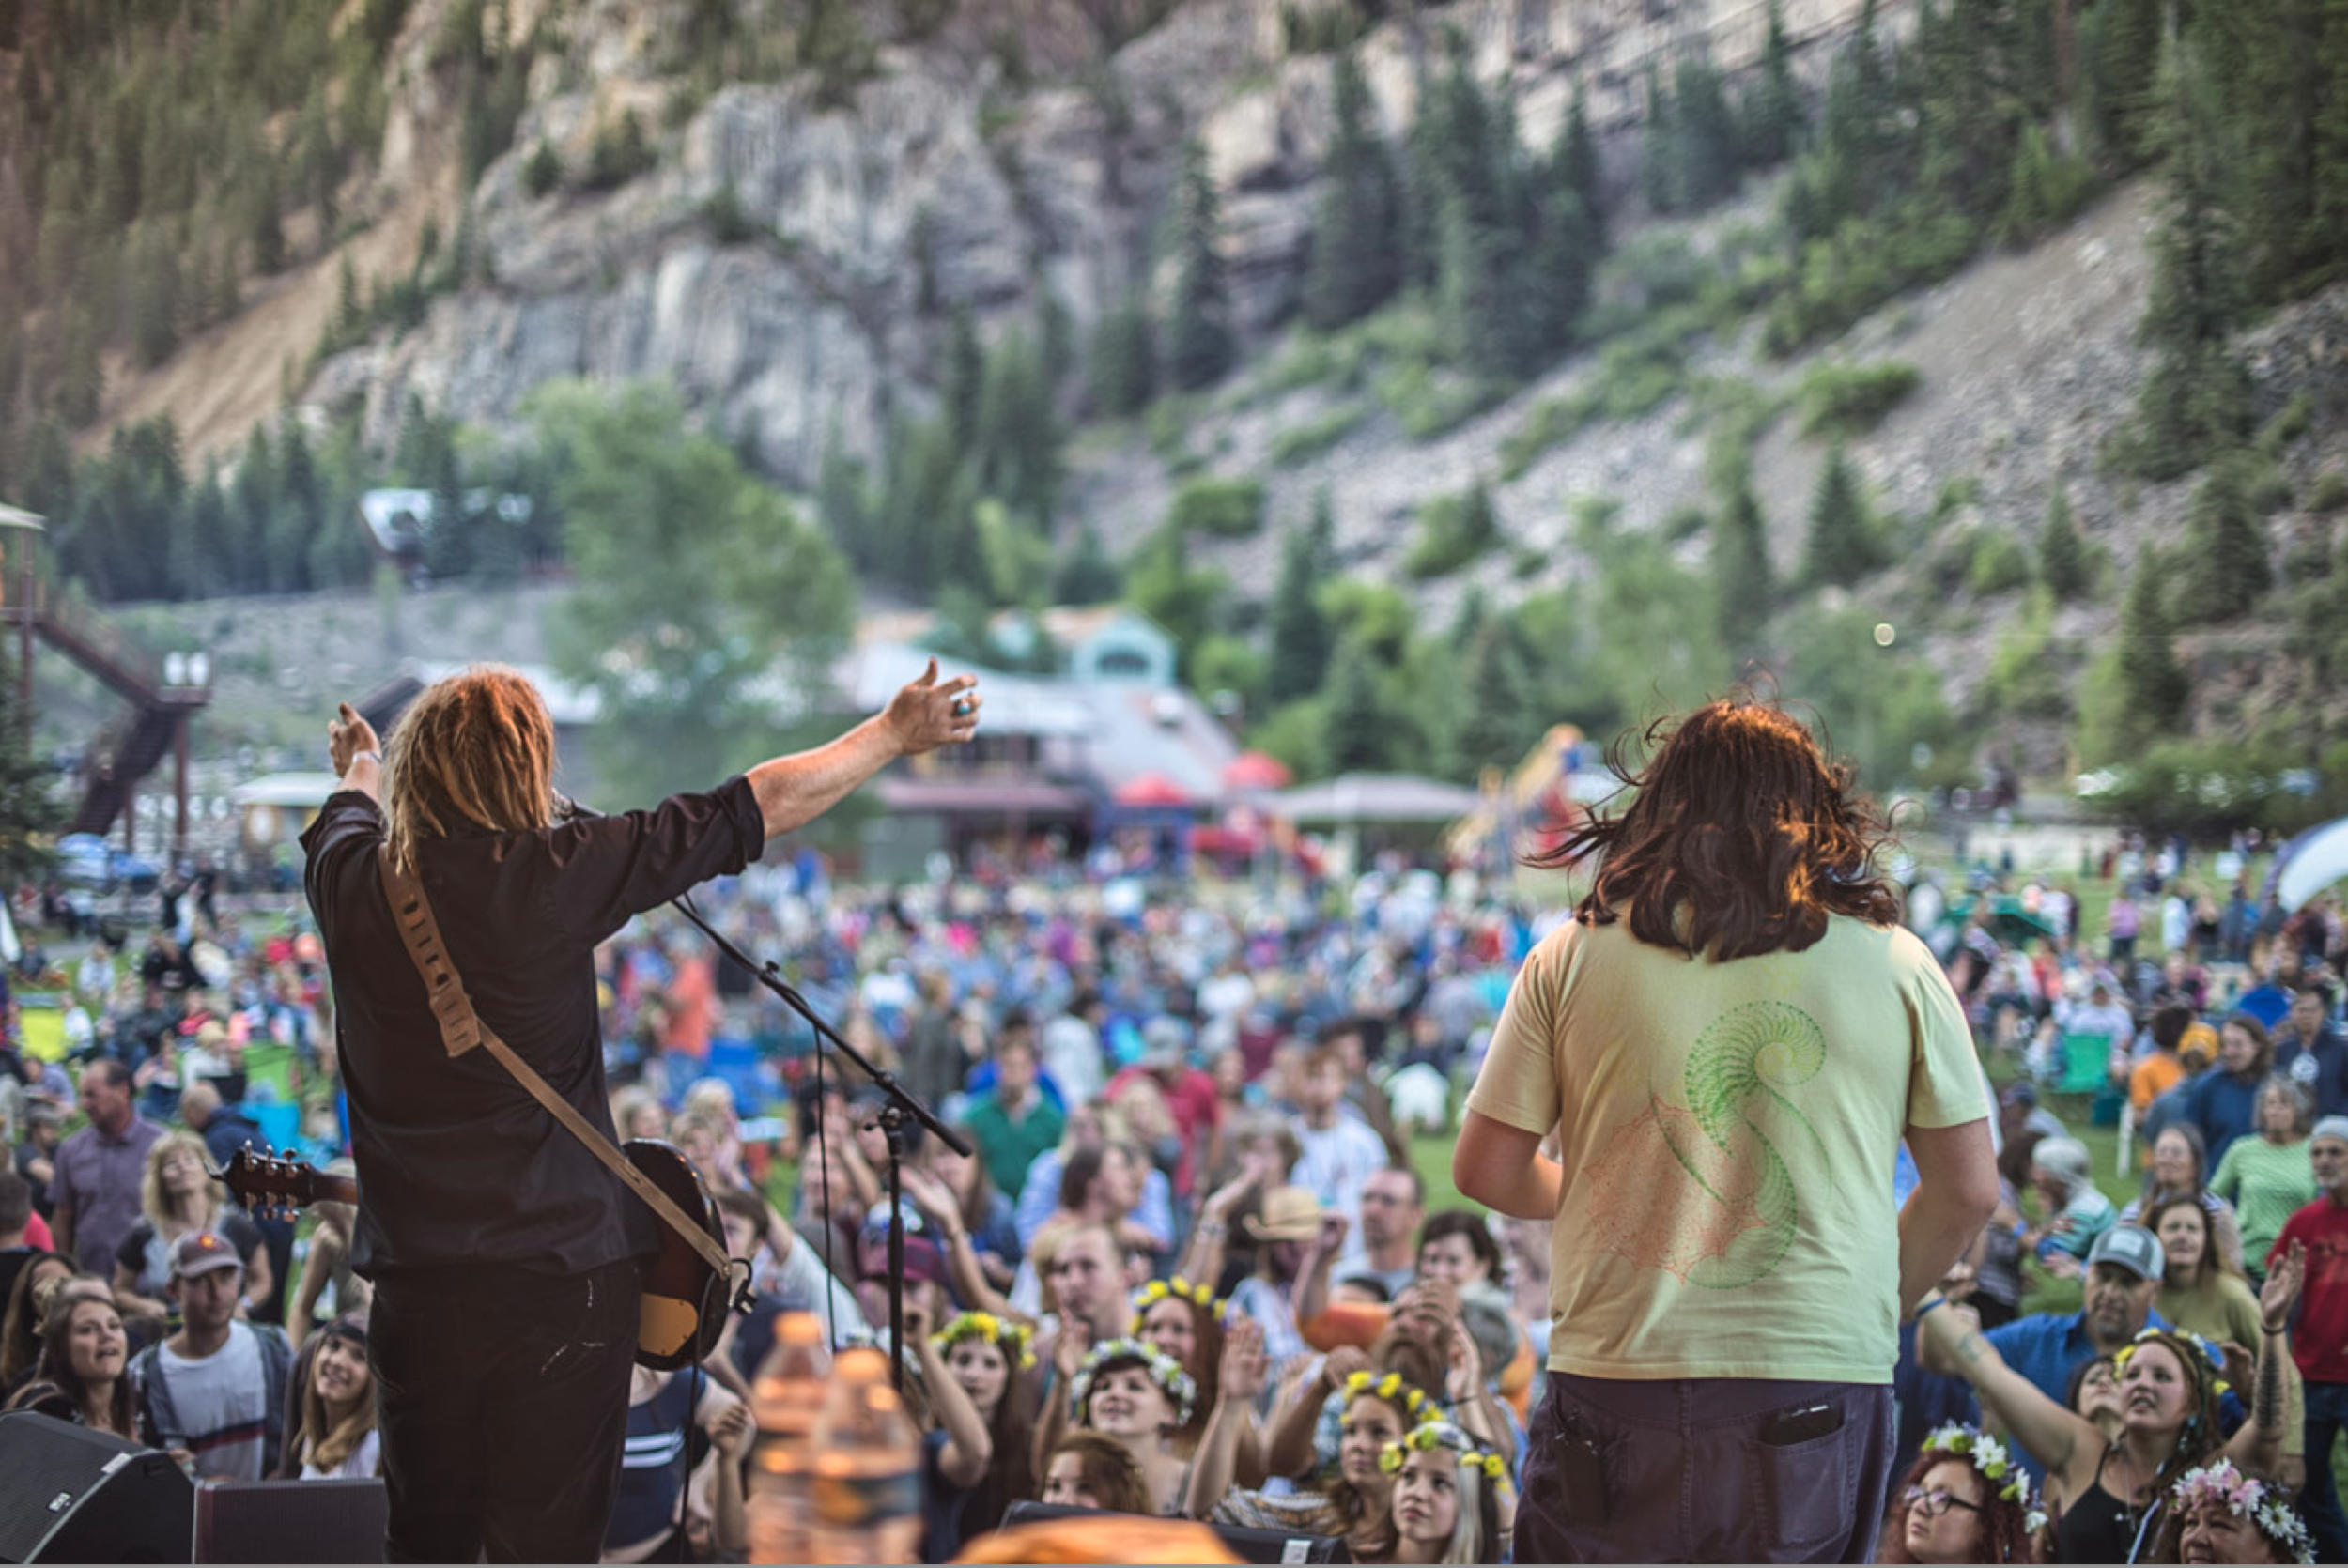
(375, 757)
(1929, 1302)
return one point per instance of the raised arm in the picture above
(2257, 1448)
(926, 714)
(2062, 1441)
(1212, 1467)
(969, 1449)
(1287, 1444)
(356, 753)
(938, 1207)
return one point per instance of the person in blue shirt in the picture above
(2223, 1102)
(2310, 1050)
(2124, 1275)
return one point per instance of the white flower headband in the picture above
(2243, 1496)
(1989, 1456)
(1162, 1369)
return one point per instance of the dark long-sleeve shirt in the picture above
(458, 1163)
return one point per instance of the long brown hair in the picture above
(55, 1367)
(478, 748)
(1742, 838)
(1112, 1475)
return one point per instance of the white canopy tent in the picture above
(2309, 864)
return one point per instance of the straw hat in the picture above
(1289, 1214)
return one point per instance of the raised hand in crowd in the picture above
(2279, 1296)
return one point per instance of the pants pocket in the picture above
(1803, 1491)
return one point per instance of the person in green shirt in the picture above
(2267, 1179)
(1013, 1122)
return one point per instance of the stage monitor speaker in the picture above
(71, 1494)
(1246, 1542)
(290, 1521)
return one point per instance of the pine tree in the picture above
(1709, 156)
(1301, 635)
(1741, 577)
(1660, 159)
(2062, 563)
(2196, 400)
(841, 504)
(1200, 346)
(2226, 544)
(1773, 108)
(1088, 575)
(1124, 368)
(1496, 716)
(1357, 727)
(966, 369)
(2122, 68)
(1574, 167)
(1841, 546)
(1353, 268)
(2153, 684)
(154, 296)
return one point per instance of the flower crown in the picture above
(1017, 1340)
(1175, 1289)
(2212, 1359)
(1162, 1370)
(1989, 1456)
(2221, 1483)
(1431, 1436)
(1394, 1390)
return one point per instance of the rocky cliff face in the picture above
(941, 188)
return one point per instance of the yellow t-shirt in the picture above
(1728, 1134)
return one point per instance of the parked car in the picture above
(86, 860)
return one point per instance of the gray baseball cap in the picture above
(2133, 1248)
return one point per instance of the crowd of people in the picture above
(1193, 1268)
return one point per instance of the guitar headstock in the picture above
(281, 1184)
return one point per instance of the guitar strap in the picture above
(461, 1029)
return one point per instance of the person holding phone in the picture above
(1730, 1041)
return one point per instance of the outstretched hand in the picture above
(347, 734)
(2281, 1293)
(928, 712)
(1244, 1363)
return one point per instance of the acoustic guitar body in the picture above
(685, 1299)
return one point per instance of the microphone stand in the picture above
(902, 1108)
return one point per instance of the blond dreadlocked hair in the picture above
(476, 747)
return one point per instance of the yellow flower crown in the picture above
(1017, 1340)
(1431, 1436)
(1393, 1389)
(1177, 1289)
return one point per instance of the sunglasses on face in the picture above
(1937, 1501)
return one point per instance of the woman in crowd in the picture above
(655, 1505)
(176, 1197)
(28, 1299)
(2202, 1290)
(338, 1436)
(1086, 1470)
(2073, 1211)
(1965, 1500)
(637, 1113)
(83, 1374)
(2267, 1177)
(1448, 1498)
(2115, 1490)
(2094, 1397)
(1099, 1184)
(1356, 1502)
(2222, 1103)
(1142, 1398)
(2218, 1514)
(1185, 1321)
(987, 1358)
(2180, 1169)
(1456, 1246)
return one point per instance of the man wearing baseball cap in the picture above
(2319, 1340)
(2123, 1273)
(214, 1393)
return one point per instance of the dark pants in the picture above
(503, 1400)
(1686, 1473)
(2319, 1501)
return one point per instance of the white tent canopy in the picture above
(2309, 864)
